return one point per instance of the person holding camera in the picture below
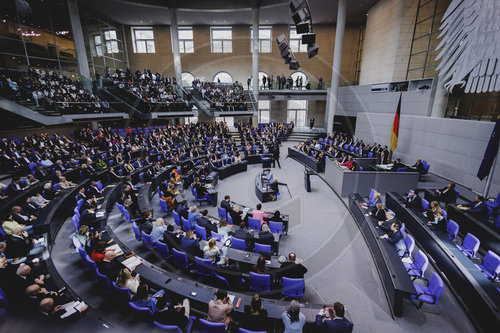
(219, 308)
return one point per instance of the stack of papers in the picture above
(99, 214)
(116, 247)
(132, 262)
(71, 308)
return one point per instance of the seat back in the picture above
(76, 242)
(370, 154)
(201, 232)
(421, 262)
(410, 245)
(203, 266)
(425, 205)
(217, 236)
(98, 184)
(239, 244)
(222, 213)
(260, 282)
(262, 248)
(141, 310)
(163, 205)
(436, 286)
(55, 187)
(177, 219)
(292, 287)
(222, 282)
(162, 249)
(403, 228)
(76, 222)
(90, 264)
(180, 259)
(147, 241)
(276, 227)
(103, 282)
(79, 203)
(137, 231)
(371, 197)
(185, 224)
(167, 328)
(122, 294)
(77, 212)
(445, 214)
(471, 243)
(242, 330)
(491, 262)
(457, 194)
(452, 228)
(254, 223)
(209, 327)
(401, 169)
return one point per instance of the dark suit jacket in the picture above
(415, 203)
(380, 216)
(87, 218)
(293, 270)
(479, 211)
(337, 325)
(19, 219)
(29, 210)
(265, 237)
(183, 211)
(448, 196)
(172, 317)
(224, 204)
(108, 268)
(170, 238)
(244, 234)
(11, 189)
(205, 223)
(236, 217)
(17, 247)
(191, 246)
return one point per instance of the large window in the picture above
(223, 77)
(297, 112)
(111, 41)
(187, 79)
(296, 41)
(186, 43)
(301, 82)
(143, 40)
(221, 39)
(98, 46)
(265, 37)
(264, 111)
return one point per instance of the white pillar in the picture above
(81, 53)
(175, 45)
(440, 99)
(331, 107)
(255, 54)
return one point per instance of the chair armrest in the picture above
(189, 326)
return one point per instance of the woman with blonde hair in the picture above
(65, 184)
(158, 229)
(433, 209)
(211, 251)
(378, 212)
(223, 229)
(126, 280)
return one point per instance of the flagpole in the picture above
(489, 178)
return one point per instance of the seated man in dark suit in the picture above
(204, 222)
(176, 314)
(265, 236)
(108, 267)
(395, 237)
(29, 209)
(243, 233)
(18, 244)
(226, 203)
(183, 210)
(14, 187)
(337, 324)
(446, 194)
(293, 268)
(386, 225)
(414, 201)
(88, 217)
(478, 208)
(190, 245)
(397, 164)
(170, 237)
(146, 224)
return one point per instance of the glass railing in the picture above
(312, 85)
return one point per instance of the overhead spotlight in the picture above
(294, 65)
(303, 27)
(300, 15)
(285, 52)
(283, 46)
(295, 4)
(280, 39)
(309, 38)
(312, 50)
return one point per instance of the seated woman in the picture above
(433, 209)
(439, 221)
(348, 163)
(260, 266)
(223, 229)
(372, 203)
(65, 184)
(378, 212)
(274, 188)
(101, 164)
(158, 229)
(211, 251)
(201, 192)
(255, 317)
(83, 236)
(126, 280)
(144, 299)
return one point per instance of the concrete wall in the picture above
(454, 148)
(204, 64)
(389, 32)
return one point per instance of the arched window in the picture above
(224, 77)
(299, 75)
(261, 75)
(187, 79)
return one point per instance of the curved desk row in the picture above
(232, 169)
(395, 279)
(306, 160)
(479, 295)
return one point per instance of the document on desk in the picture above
(116, 247)
(231, 297)
(132, 262)
(99, 214)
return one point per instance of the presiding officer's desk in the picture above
(395, 279)
(232, 169)
(248, 210)
(262, 190)
(344, 182)
(489, 237)
(476, 291)
(306, 160)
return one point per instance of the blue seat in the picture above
(404, 169)
(76, 222)
(203, 266)
(177, 218)
(445, 214)
(229, 219)
(292, 287)
(121, 294)
(76, 211)
(55, 187)
(79, 203)
(260, 282)
(371, 196)
(200, 199)
(262, 248)
(430, 293)
(185, 224)
(276, 227)
(370, 154)
(147, 241)
(254, 223)
(222, 213)
(201, 232)
(91, 265)
(163, 205)
(141, 177)
(495, 204)
(425, 205)
(452, 229)
(98, 184)
(217, 236)
(490, 265)
(175, 329)
(143, 311)
(180, 259)
(417, 268)
(162, 249)
(470, 245)
(4, 303)
(239, 244)
(457, 195)
(209, 327)
(222, 282)
(497, 221)
(403, 228)
(410, 245)
(242, 330)
(125, 213)
(103, 282)
(137, 232)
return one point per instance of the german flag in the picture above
(395, 126)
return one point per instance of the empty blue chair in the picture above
(370, 154)
(222, 213)
(445, 214)
(452, 229)
(201, 232)
(98, 184)
(77, 212)
(185, 224)
(125, 213)
(262, 248)
(147, 241)
(173, 328)
(91, 265)
(239, 244)
(253, 223)
(137, 231)
(103, 282)
(491, 265)
(431, 293)
(82, 254)
(163, 205)
(276, 227)
(260, 282)
(162, 249)
(180, 259)
(203, 266)
(177, 218)
(141, 310)
(141, 177)
(217, 236)
(425, 205)
(470, 245)
(222, 282)
(121, 294)
(410, 245)
(416, 269)
(292, 287)
(371, 196)
(495, 204)
(79, 203)
(55, 187)
(76, 222)
(209, 327)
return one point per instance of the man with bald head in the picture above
(108, 267)
(293, 268)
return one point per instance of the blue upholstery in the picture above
(470, 245)
(147, 241)
(121, 294)
(185, 224)
(201, 232)
(262, 248)
(55, 187)
(103, 282)
(276, 227)
(292, 287)
(452, 228)
(222, 213)
(431, 293)
(260, 282)
(253, 223)
(177, 218)
(180, 259)
(491, 265)
(403, 228)
(370, 154)
(418, 267)
(229, 219)
(79, 203)
(495, 204)
(404, 169)
(77, 212)
(137, 232)
(76, 222)
(410, 245)
(141, 310)
(239, 244)
(163, 205)
(173, 328)
(82, 253)
(203, 266)
(162, 249)
(371, 196)
(209, 327)
(218, 237)
(222, 282)
(98, 184)
(425, 205)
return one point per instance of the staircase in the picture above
(126, 102)
(301, 134)
(235, 135)
(201, 103)
(252, 104)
